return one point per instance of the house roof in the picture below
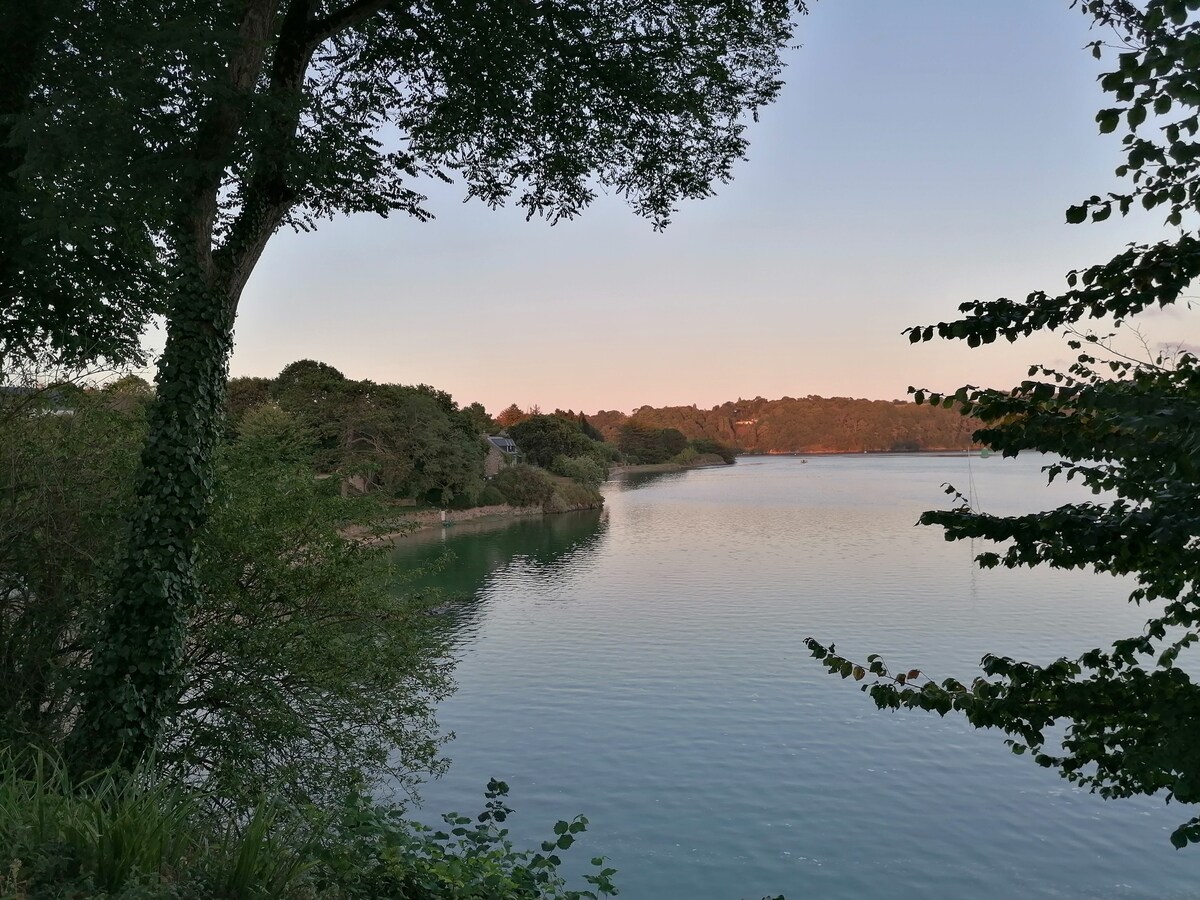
(502, 443)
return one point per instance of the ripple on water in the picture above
(646, 669)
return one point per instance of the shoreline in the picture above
(431, 519)
(647, 467)
(707, 462)
(923, 450)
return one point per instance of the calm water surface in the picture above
(645, 667)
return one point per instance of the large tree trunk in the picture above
(133, 683)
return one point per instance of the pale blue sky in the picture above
(922, 153)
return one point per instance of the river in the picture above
(644, 666)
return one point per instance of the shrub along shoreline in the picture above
(703, 461)
(429, 519)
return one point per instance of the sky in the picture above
(921, 154)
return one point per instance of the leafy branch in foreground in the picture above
(1128, 429)
(384, 855)
(1130, 728)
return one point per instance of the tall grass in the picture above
(120, 833)
(134, 836)
(265, 859)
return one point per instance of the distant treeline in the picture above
(632, 443)
(803, 425)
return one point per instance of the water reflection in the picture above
(631, 481)
(646, 669)
(458, 561)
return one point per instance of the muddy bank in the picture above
(430, 519)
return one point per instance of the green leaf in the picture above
(1108, 119)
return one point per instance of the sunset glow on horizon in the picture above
(921, 155)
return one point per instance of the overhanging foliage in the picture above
(1128, 428)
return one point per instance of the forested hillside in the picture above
(414, 442)
(408, 440)
(805, 425)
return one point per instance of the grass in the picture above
(133, 836)
(118, 834)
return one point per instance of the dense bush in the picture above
(466, 500)
(305, 673)
(523, 485)
(65, 489)
(134, 836)
(374, 852)
(491, 496)
(605, 453)
(585, 469)
(573, 495)
(686, 456)
(542, 438)
(643, 444)
(704, 446)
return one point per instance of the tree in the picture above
(510, 415)
(542, 438)
(589, 430)
(477, 419)
(259, 714)
(241, 396)
(81, 179)
(1129, 429)
(134, 385)
(421, 448)
(650, 445)
(319, 396)
(246, 117)
(307, 673)
(407, 440)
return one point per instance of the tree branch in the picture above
(267, 196)
(336, 22)
(220, 124)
